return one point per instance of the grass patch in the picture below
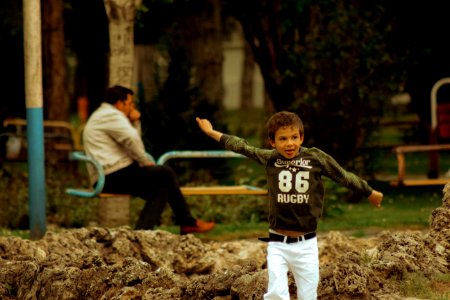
(434, 288)
(24, 234)
(402, 208)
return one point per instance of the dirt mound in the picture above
(101, 263)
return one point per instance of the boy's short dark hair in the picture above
(117, 93)
(282, 119)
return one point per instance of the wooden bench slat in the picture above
(421, 148)
(222, 190)
(58, 135)
(108, 195)
(203, 190)
(64, 147)
(420, 182)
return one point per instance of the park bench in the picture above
(439, 130)
(400, 152)
(59, 136)
(114, 208)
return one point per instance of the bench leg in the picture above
(401, 167)
(114, 210)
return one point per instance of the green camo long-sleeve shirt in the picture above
(295, 186)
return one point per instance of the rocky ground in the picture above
(100, 263)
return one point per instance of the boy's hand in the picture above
(375, 198)
(204, 125)
(208, 129)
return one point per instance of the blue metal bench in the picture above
(114, 209)
(191, 190)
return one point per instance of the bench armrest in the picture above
(78, 155)
(90, 193)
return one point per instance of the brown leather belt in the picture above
(273, 237)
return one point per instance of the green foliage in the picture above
(231, 208)
(169, 119)
(348, 76)
(335, 196)
(329, 61)
(13, 199)
(11, 18)
(62, 210)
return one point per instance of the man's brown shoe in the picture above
(201, 226)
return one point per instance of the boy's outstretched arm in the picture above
(207, 128)
(375, 198)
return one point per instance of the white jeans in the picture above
(302, 259)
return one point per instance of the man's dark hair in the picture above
(117, 93)
(282, 119)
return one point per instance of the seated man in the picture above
(111, 138)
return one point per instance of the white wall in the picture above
(232, 72)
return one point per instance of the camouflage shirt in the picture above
(295, 185)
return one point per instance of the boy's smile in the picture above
(287, 141)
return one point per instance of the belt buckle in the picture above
(290, 240)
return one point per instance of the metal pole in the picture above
(434, 131)
(35, 129)
(434, 90)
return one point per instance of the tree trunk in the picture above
(121, 15)
(56, 101)
(248, 70)
(262, 27)
(202, 32)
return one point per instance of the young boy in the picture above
(296, 200)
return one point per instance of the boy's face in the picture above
(287, 141)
